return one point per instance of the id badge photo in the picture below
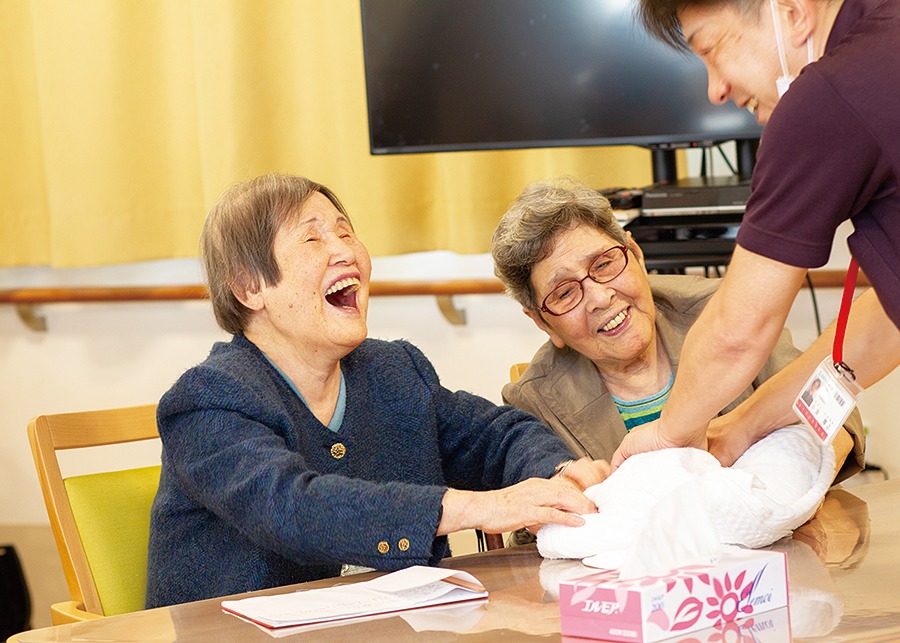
(827, 398)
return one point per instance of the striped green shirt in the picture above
(640, 412)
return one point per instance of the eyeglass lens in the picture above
(604, 268)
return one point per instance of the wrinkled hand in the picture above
(532, 502)
(649, 437)
(584, 472)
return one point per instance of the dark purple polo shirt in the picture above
(831, 152)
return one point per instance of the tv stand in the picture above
(746, 157)
(664, 163)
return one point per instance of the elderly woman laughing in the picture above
(301, 445)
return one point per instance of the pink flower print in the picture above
(727, 602)
(687, 614)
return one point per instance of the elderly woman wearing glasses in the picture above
(615, 332)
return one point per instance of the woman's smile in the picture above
(617, 324)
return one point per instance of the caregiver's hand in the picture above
(651, 437)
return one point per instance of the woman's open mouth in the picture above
(342, 294)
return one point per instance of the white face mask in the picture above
(784, 81)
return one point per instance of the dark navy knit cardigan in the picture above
(252, 494)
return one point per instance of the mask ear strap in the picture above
(776, 19)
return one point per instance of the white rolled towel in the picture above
(792, 471)
(682, 503)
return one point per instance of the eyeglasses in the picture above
(605, 267)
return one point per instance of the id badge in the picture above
(827, 398)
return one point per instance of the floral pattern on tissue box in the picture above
(740, 584)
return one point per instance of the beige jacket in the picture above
(565, 390)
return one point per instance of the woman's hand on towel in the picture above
(529, 503)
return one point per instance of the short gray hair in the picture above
(527, 232)
(237, 245)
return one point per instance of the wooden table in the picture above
(844, 577)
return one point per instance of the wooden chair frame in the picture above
(516, 370)
(48, 434)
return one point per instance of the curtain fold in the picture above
(122, 122)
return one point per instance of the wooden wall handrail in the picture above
(25, 298)
(835, 279)
(62, 295)
(486, 286)
(58, 295)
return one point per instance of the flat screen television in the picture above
(449, 75)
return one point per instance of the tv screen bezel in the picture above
(662, 142)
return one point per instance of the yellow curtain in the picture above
(121, 121)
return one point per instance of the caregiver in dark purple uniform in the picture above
(824, 76)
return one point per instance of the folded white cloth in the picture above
(663, 509)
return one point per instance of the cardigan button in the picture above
(403, 544)
(338, 450)
(383, 547)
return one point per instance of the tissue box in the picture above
(742, 583)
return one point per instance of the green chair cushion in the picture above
(112, 514)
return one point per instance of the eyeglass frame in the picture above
(624, 250)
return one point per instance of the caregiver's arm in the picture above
(723, 351)
(871, 349)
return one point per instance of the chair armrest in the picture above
(70, 612)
